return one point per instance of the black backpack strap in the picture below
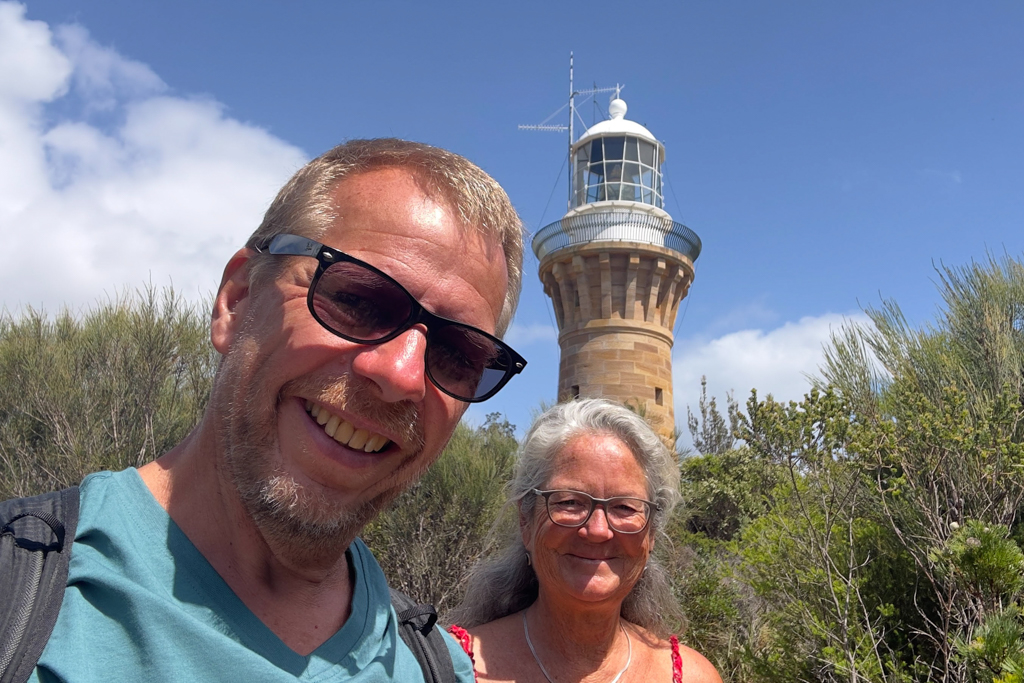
(417, 626)
(35, 548)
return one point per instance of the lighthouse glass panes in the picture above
(619, 167)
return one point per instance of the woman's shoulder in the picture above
(497, 628)
(501, 630)
(686, 664)
(463, 638)
(494, 647)
(690, 666)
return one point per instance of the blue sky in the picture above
(827, 154)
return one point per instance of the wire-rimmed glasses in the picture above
(573, 509)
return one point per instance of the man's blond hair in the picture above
(304, 205)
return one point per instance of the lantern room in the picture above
(617, 160)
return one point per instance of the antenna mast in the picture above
(572, 117)
(544, 125)
(571, 120)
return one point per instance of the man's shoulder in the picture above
(419, 633)
(436, 651)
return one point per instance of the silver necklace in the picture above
(629, 655)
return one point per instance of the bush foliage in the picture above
(434, 532)
(112, 388)
(875, 526)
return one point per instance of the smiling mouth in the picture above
(591, 559)
(345, 433)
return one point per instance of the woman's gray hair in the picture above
(504, 583)
(304, 206)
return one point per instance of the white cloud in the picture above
(101, 75)
(774, 362)
(165, 193)
(31, 68)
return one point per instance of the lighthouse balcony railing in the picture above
(616, 226)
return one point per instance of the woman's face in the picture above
(591, 563)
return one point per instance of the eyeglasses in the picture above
(362, 304)
(573, 509)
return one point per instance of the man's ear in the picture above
(230, 302)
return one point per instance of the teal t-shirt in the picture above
(142, 604)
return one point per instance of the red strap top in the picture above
(677, 661)
(466, 641)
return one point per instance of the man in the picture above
(355, 325)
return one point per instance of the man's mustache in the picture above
(358, 397)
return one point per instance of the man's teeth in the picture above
(344, 432)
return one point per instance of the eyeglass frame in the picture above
(285, 244)
(546, 495)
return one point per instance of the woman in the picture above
(575, 595)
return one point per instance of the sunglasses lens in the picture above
(464, 362)
(358, 303)
(363, 306)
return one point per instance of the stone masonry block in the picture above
(624, 366)
(605, 378)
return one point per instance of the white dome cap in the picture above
(617, 108)
(617, 125)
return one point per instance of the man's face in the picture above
(304, 407)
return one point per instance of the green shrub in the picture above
(434, 532)
(113, 388)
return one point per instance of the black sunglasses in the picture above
(362, 304)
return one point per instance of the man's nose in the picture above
(397, 367)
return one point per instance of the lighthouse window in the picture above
(631, 173)
(581, 172)
(646, 152)
(631, 181)
(613, 148)
(617, 168)
(612, 181)
(595, 172)
(632, 154)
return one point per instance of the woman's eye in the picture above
(569, 502)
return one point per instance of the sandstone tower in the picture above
(616, 267)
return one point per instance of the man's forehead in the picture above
(391, 218)
(387, 176)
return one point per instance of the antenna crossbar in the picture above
(573, 115)
(557, 129)
(594, 91)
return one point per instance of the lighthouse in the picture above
(616, 267)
